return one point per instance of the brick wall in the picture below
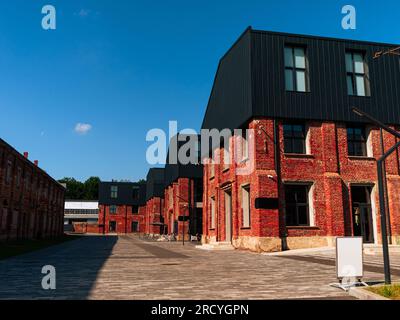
(328, 168)
(176, 204)
(31, 202)
(153, 216)
(123, 218)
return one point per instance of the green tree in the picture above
(91, 187)
(75, 189)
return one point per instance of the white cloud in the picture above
(83, 128)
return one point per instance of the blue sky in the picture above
(125, 67)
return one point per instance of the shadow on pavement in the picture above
(77, 265)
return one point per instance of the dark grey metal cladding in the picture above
(328, 98)
(174, 171)
(124, 195)
(155, 183)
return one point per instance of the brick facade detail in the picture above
(153, 216)
(124, 219)
(327, 167)
(31, 202)
(176, 204)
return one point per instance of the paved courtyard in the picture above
(126, 267)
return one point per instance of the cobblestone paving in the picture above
(96, 267)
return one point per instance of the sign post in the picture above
(349, 262)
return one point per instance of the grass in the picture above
(390, 291)
(14, 248)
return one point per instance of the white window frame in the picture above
(213, 215)
(246, 206)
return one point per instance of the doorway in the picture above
(113, 227)
(135, 226)
(363, 225)
(228, 216)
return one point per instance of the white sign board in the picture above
(349, 257)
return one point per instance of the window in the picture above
(357, 74)
(245, 145)
(227, 159)
(9, 172)
(246, 207)
(19, 176)
(212, 204)
(294, 138)
(135, 226)
(135, 209)
(212, 165)
(27, 180)
(296, 74)
(356, 141)
(113, 209)
(197, 148)
(297, 207)
(114, 192)
(198, 190)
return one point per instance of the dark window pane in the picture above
(298, 131)
(287, 130)
(289, 57)
(303, 215)
(301, 193)
(297, 211)
(289, 80)
(298, 146)
(290, 195)
(291, 215)
(294, 138)
(356, 140)
(350, 85)
(288, 146)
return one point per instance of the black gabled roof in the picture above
(125, 193)
(250, 82)
(155, 183)
(175, 169)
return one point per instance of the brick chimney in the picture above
(26, 154)
(36, 162)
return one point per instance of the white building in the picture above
(80, 211)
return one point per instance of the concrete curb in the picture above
(363, 294)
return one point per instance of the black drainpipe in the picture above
(104, 219)
(385, 188)
(277, 152)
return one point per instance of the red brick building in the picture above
(183, 192)
(122, 207)
(307, 172)
(31, 202)
(154, 222)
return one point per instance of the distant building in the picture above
(122, 207)
(31, 202)
(155, 183)
(183, 191)
(80, 212)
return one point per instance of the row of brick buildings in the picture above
(302, 170)
(31, 202)
(168, 202)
